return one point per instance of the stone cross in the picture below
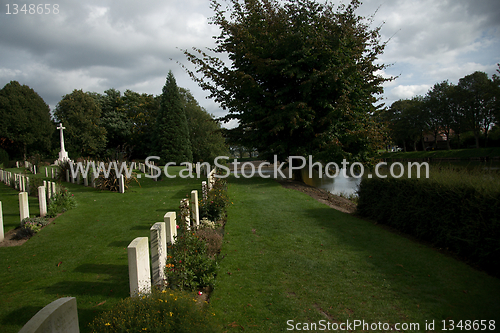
(61, 135)
(63, 155)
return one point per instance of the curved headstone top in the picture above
(60, 316)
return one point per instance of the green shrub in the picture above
(167, 311)
(34, 183)
(189, 265)
(4, 158)
(30, 226)
(454, 214)
(60, 203)
(214, 207)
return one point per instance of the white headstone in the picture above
(60, 316)
(24, 209)
(138, 266)
(204, 190)
(46, 172)
(1, 223)
(195, 212)
(158, 252)
(122, 184)
(86, 181)
(171, 225)
(42, 201)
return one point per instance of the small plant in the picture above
(166, 311)
(189, 266)
(30, 226)
(60, 203)
(34, 183)
(212, 235)
(214, 207)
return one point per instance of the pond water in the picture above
(341, 184)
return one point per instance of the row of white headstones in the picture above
(21, 183)
(161, 234)
(144, 168)
(61, 316)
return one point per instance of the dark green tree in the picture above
(406, 121)
(25, 122)
(114, 119)
(302, 77)
(142, 112)
(478, 98)
(172, 132)
(443, 111)
(205, 133)
(80, 113)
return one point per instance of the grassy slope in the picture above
(455, 153)
(288, 257)
(90, 241)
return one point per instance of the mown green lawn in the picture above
(84, 253)
(285, 257)
(290, 259)
(454, 153)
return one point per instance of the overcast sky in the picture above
(130, 44)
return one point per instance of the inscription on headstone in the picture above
(158, 252)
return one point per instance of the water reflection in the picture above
(343, 183)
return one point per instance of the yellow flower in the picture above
(107, 324)
(171, 313)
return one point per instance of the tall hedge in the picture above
(459, 217)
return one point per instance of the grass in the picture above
(454, 153)
(288, 257)
(84, 253)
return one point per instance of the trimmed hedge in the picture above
(459, 217)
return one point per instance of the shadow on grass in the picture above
(141, 227)
(20, 316)
(121, 244)
(110, 281)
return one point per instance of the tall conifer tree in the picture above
(172, 130)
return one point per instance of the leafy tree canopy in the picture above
(302, 78)
(205, 133)
(80, 113)
(114, 118)
(24, 119)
